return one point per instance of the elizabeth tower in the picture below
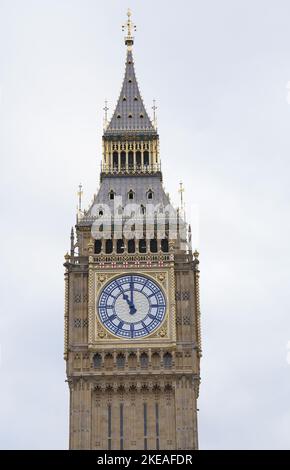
(132, 318)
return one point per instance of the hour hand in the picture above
(132, 309)
(131, 304)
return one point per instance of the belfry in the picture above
(132, 315)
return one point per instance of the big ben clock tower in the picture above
(132, 319)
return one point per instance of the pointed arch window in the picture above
(146, 157)
(97, 361)
(98, 246)
(131, 159)
(138, 158)
(120, 361)
(164, 245)
(142, 245)
(167, 360)
(115, 159)
(150, 194)
(123, 159)
(153, 245)
(120, 246)
(109, 246)
(131, 246)
(131, 195)
(111, 195)
(144, 360)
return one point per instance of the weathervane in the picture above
(129, 39)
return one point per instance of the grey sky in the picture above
(219, 71)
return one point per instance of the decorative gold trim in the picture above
(164, 336)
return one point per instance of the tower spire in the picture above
(129, 39)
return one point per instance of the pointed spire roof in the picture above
(130, 115)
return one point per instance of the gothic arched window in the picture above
(123, 159)
(115, 159)
(153, 245)
(130, 159)
(131, 246)
(120, 246)
(120, 361)
(144, 360)
(98, 247)
(150, 194)
(146, 157)
(97, 361)
(164, 245)
(142, 245)
(109, 246)
(167, 360)
(138, 158)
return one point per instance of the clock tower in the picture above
(132, 318)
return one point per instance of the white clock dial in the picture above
(131, 306)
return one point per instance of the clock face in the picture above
(131, 306)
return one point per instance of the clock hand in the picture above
(131, 291)
(132, 309)
(131, 304)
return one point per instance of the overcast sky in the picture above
(219, 72)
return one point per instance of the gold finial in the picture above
(154, 107)
(80, 193)
(129, 39)
(181, 191)
(106, 109)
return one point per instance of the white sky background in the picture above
(219, 71)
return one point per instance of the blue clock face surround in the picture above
(131, 306)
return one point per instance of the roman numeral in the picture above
(132, 330)
(144, 326)
(151, 316)
(112, 317)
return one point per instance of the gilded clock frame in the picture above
(99, 336)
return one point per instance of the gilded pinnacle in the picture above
(129, 39)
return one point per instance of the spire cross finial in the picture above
(80, 193)
(106, 109)
(154, 107)
(129, 39)
(181, 191)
